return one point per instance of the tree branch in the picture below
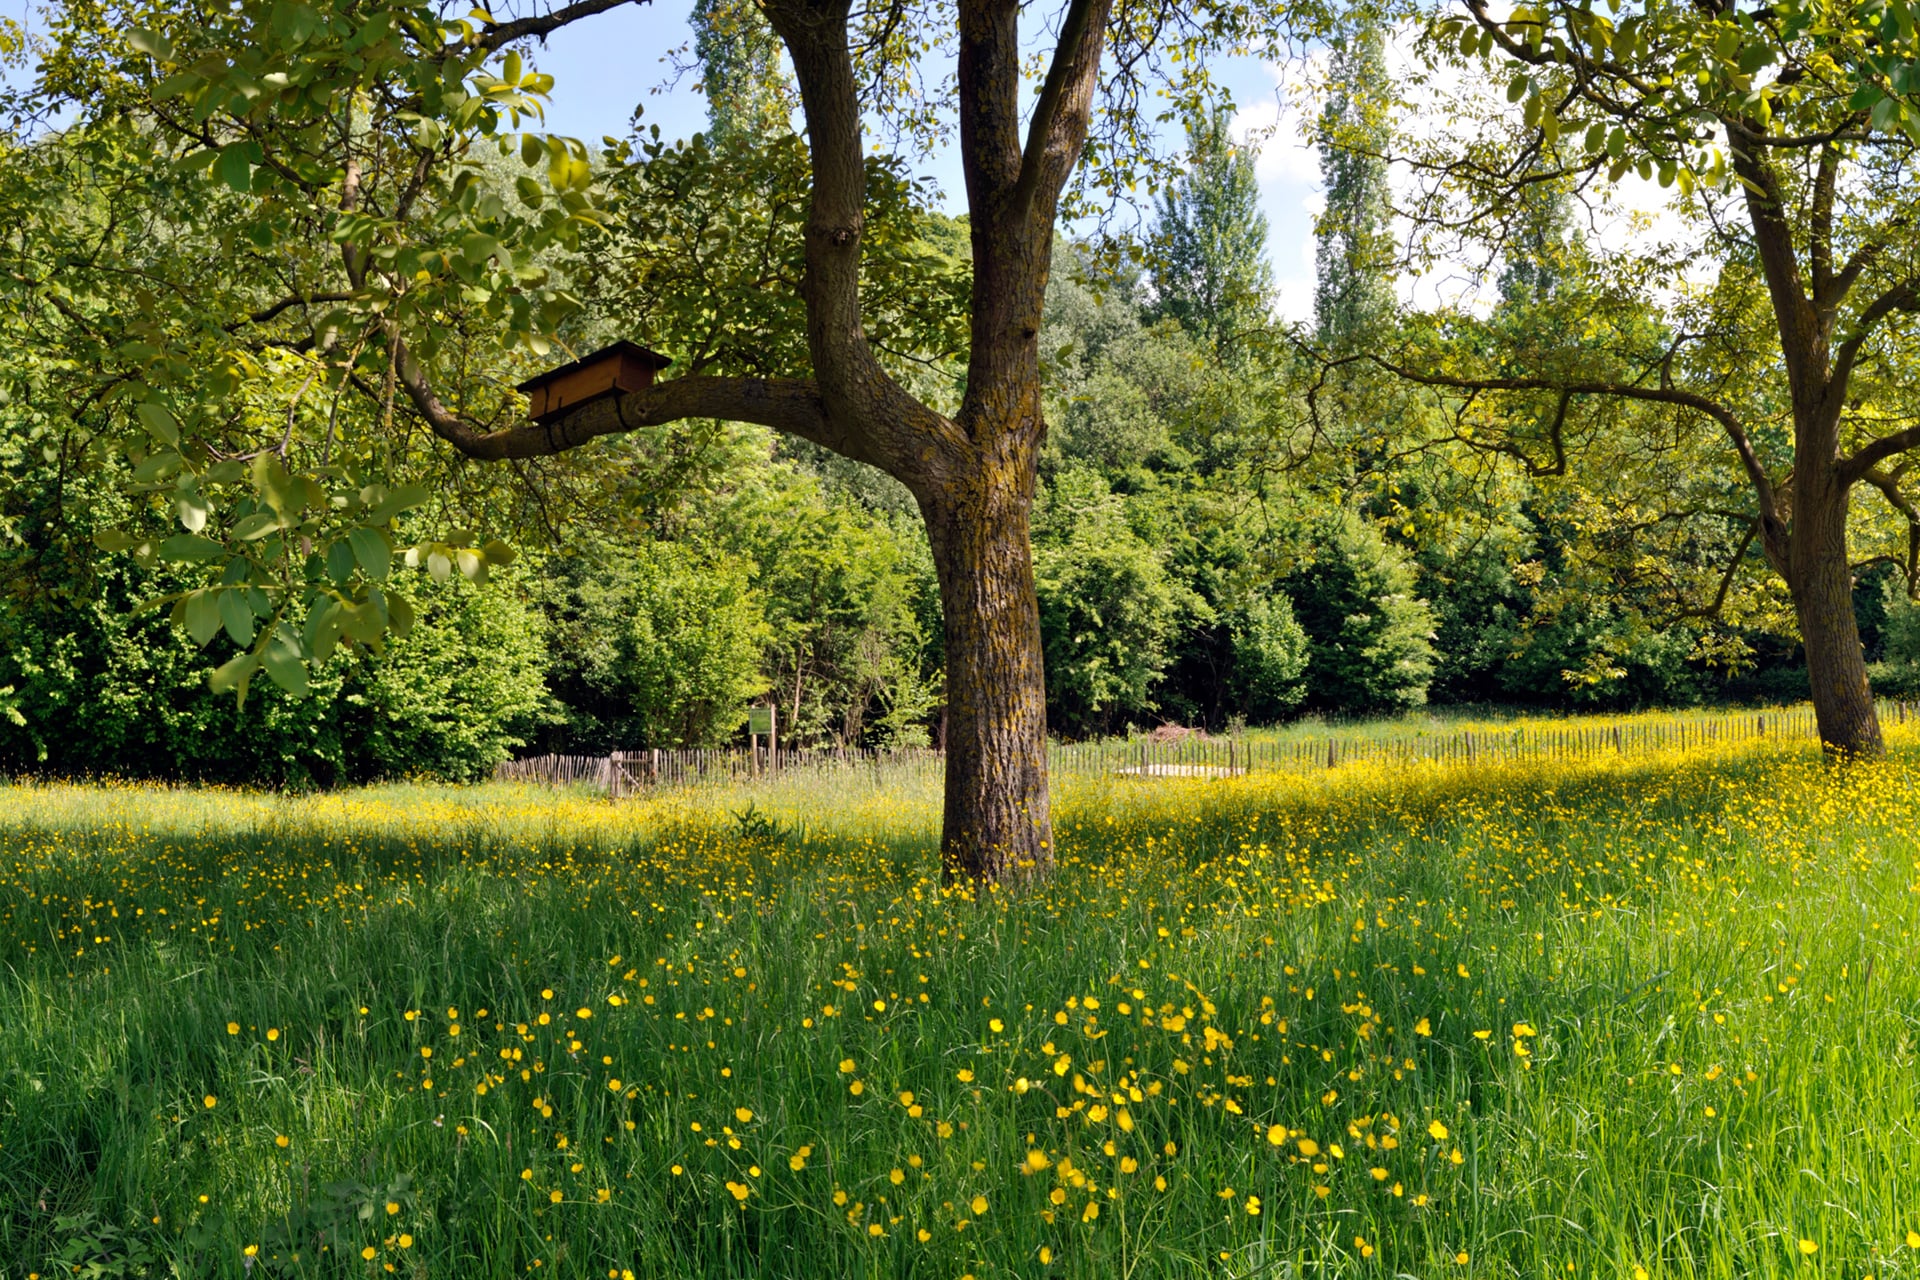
(789, 405)
(1904, 296)
(1889, 487)
(874, 418)
(1063, 96)
(1736, 431)
(273, 310)
(1712, 611)
(505, 33)
(1820, 234)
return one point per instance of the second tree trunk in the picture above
(1822, 581)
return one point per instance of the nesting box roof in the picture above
(631, 350)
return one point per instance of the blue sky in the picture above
(607, 65)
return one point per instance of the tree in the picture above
(1270, 656)
(1543, 249)
(657, 645)
(1109, 610)
(1368, 636)
(339, 140)
(1353, 260)
(1213, 275)
(747, 96)
(1790, 133)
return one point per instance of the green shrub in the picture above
(656, 645)
(101, 689)
(1109, 610)
(1269, 658)
(1369, 636)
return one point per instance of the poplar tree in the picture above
(1214, 277)
(748, 94)
(1542, 247)
(1353, 294)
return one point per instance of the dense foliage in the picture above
(1227, 527)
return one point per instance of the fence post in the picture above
(1333, 753)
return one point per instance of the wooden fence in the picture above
(1163, 756)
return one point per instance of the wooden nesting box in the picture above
(622, 367)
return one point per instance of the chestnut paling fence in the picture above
(1194, 756)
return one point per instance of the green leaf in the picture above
(323, 628)
(438, 566)
(399, 614)
(113, 540)
(297, 22)
(286, 669)
(477, 246)
(498, 552)
(234, 674)
(340, 560)
(371, 549)
(1516, 88)
(235, 166)
(157, 468)
(236, 616)
(151, 43)
(256, 526)
(276, 487)
(364, 622)
(405, 498)
(191, 548)
(202, 617)
(159, 422)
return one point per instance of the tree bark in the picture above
(998, 824)
(1821, 581)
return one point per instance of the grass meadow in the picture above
(1643, 1018)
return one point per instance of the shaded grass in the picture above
(1266, 963)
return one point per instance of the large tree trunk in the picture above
(1821, 579)
(998, 823)
(1816, 566)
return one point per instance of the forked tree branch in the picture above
(1904, 296)
(1059, 126)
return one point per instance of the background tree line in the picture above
(1224, 531)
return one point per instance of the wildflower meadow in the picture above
(1638, 1017)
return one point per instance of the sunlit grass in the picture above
(1545, 1018)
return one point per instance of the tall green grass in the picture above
(1584, 1018)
